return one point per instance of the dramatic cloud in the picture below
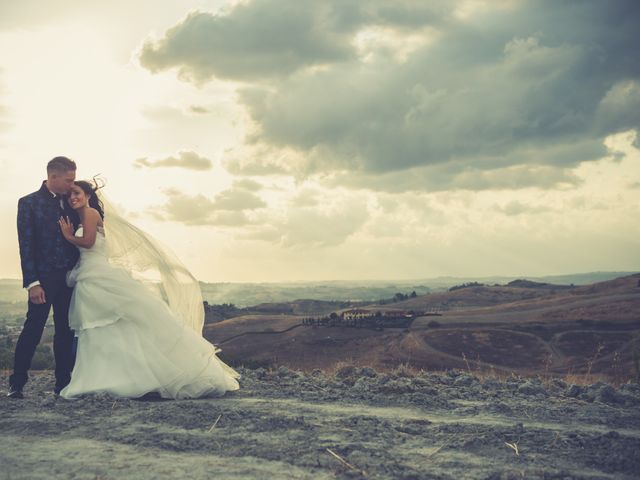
(228, 208)
(237, 199)
(307, 226)
(257, 40)
(274, 38)
(247, 184)
(185, 159)
(451, 177)
(350, 139)
(618, 109)
(300, 224)
(304, 226)
(528, 86)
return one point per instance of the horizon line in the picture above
(412, 279)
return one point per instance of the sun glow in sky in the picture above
(276, 140)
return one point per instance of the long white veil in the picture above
(145, 259)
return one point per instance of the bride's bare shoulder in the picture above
(93, 214)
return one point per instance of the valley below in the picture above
(590, 331)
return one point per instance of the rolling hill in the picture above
(526, 328)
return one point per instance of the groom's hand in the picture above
(36, 295)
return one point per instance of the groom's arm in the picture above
(27, 242)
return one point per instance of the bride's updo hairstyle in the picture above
(90, 190)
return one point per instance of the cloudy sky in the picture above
(274, 140)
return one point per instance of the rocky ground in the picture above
(356, 423)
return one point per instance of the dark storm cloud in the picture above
(254, 41)
(274, 38)
(185, 159)
(451, 177)
(531, 88)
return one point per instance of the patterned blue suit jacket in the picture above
(43, 249)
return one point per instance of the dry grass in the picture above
(339, 366)
(483, 373)
(406, 370)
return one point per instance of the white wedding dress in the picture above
(130, 342)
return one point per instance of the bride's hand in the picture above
(66, 227)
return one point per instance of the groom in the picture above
(46, 257)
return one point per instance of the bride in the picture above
(136, 334)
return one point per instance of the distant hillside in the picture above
(216, 313)
(530, 284)
(531, 327)
(568, 279)
(247, 294)
(250, 294)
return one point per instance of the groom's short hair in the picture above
(60, 165)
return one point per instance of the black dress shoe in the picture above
(15, 393)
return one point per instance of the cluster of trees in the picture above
(219, 312)
(332, 320)
(398, 297)
(466, 285)
(377, 320)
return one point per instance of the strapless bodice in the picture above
(98, 248)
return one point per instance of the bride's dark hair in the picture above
(90, 190)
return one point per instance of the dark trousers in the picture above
(58, 296)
